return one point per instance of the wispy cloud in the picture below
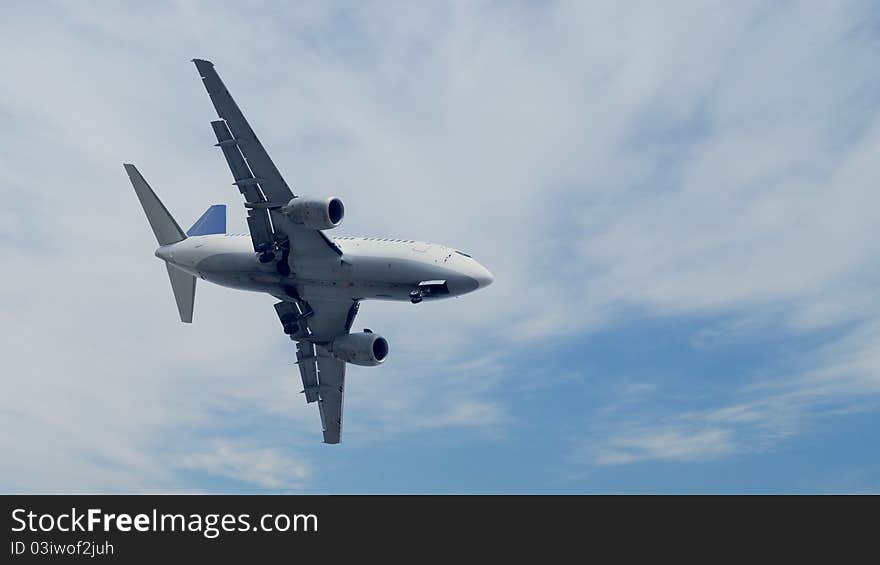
(266, 467)
(673, 444)
(838, 379)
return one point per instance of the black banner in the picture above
(415, 528)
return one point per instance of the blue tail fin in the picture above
(212, 221)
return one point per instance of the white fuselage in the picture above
(369, 268)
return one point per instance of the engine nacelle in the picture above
(367, 349)
(315, 213)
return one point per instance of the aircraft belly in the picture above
(354, 277)
(312, 290)
(238, 270)
(244, 281)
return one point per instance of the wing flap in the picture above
(258, 218)
(331, 378)
(308, 369)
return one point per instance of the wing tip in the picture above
(203, 66)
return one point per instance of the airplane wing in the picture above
(311, 324)
(258, 179)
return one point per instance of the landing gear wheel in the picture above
(416, 300)
(266, 257)
(415, 297)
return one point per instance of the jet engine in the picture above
(315, 213)
(367, 349)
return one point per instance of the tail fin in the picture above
(167, 231)
(212, 221)
(163, 224)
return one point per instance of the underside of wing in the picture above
(271, 182)
(260, 182)
(323, 380)
(258, 220)
(312, 325)
(331, 378)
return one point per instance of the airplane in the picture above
(320, 281)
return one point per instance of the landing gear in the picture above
(283, 265)
(294, 318)
(415, 296)
(266, 257)
(265, 252)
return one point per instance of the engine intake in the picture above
(367, 349)
(315, 213)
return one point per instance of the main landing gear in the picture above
(267, 253)
(293, 320)
(415, 296)
(283, 265)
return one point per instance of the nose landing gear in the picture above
(428, 289)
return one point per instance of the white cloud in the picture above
(671, 444)
(266, 467)
(832, 382)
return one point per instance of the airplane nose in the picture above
(470, 276)
(484, 277)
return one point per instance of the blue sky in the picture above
(678, 202)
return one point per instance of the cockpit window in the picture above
(461, 253)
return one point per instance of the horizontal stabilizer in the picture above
(164, 227)
(183, 285)
(212, 221)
